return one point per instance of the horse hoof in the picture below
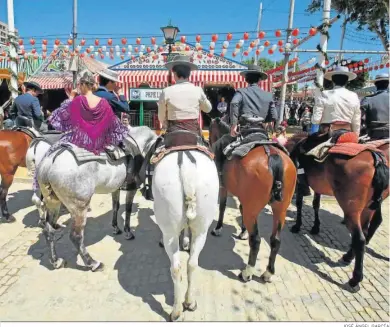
(244, 279)
(190, 306)
(117, 231)
(98, 266)
(346, 259)
(353, 286)
(10, 219)
(60, 263)
(266, 277)
(315, 230)
(243, 236)
(216, 232)
(295, 229)
(129, 236)
(175, 317)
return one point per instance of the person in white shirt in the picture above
(222, 106)
(179, 108)
(338, 108)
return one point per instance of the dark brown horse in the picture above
(258, 179)
(13, 149)
(358, 187)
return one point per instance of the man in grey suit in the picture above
(248, 104)
(376, 109)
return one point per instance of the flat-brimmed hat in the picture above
(110, 75)
(381, 77)
(181, 60)
(340, 70)
(254, 69)
(33, 85)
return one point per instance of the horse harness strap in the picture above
(180, 157)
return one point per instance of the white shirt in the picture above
(182, 101)
(338, 104)
(222, 107)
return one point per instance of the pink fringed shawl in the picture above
(90, 128)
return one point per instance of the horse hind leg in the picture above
(49, 229)
(244, 233)
(197, 244)
(299, 204)
(316, 207)
(129, 235)
(115, 207)
(279, 217)
(217, 231)
(374, 224)
(77, 238)
(6, 182)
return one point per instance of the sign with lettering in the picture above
(156, 60)
(144, 95)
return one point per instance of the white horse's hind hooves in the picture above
(190, 306)
(186, 244)
(60, 263)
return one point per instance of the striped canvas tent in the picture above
(54, 72)
(212, 70)
(27, 66)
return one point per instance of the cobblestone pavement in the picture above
(136, 283)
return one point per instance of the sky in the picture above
(51, 18)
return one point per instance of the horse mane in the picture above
(293, 140)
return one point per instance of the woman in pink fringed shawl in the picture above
(87, 122)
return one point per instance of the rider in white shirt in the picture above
(338, 108)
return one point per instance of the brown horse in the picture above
(358, 186)
(266, 175)
(13, 149)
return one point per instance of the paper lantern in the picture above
(267, 43)
(118, 53)
(198, 38)
(224, 50)
(82, 42)
(241, 42)
(274, 46)
(32, 41)
(234, 54)
(153, 40)
(281, 50)
(280, 43)
(96, 42)
(183, 39)
(295, 32)
(33, 51)
(246, 36)
(88, 50)
(44, 42)
(313, 31)
(124, 41)
(142, 48)
(382, 66)
(104, 48)
(222, 55)
(136, 50)
(261, 35)
(214, 37)
(108, 54)
(20, 42)
(138, 41)
(245, 53)
(295, 41)
(187, 48)
(70, 41)
(270, 51)
(238, 46)
(388, 65)
(43, 56)
(123, 50)
(258, 51)
(278, 33)
(133, 58)
(35, 56)
(92, 56)
(173, 48)
(252, 45)
(366, 60)
(229, 37)
(100, 50)
(225, 44)
(212, 44)
(261, 48)
(109, 41)
(160, 49)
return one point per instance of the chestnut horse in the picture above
(258, 179)
(358, 186)
(13, 149)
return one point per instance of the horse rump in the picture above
(380, 181)
(275, 166)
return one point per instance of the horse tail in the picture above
(380, 181)
(188, 178)
(275, 166)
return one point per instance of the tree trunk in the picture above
(380, 30)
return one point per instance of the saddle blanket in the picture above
(320, 152)
(112, 153)
(353, 149)
(162, 151)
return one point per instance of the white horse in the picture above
(63, 180)
(185, 190)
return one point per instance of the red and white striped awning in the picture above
(53, 81)
(159, 79)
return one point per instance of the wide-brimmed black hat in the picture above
(181, 60)
(33, 85)
(254, 69)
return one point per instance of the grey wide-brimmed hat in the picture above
(181, 60)
(254, 69)
(87, 78)
(110, 75)
(340, 70)
(381, 77)
(33, 85)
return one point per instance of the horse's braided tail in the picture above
(380, 181)
(275, 166)
(188, 178)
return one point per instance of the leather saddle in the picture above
(181, 138)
